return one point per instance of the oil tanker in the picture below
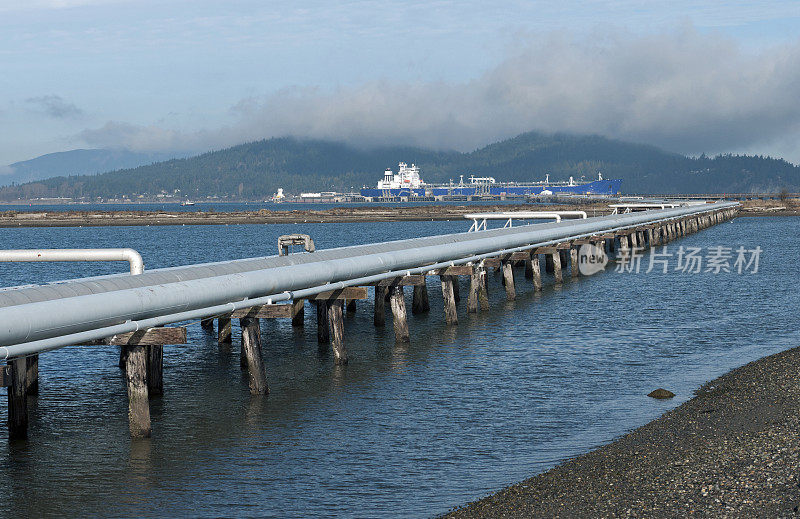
(407, 182)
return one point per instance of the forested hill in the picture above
(257, 169)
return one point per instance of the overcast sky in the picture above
(689, 76)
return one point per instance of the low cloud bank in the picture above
(681, 90)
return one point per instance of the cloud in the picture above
(30, 5)
(55, 106)
(681, 90)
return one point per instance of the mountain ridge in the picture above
(257, 169)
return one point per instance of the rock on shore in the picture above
(731, 451)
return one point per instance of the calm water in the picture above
(402, 430)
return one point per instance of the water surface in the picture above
(402, 431)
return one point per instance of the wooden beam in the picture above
(151, 337)
(544, 250)
(341, 293)
(456, 270)
(405, 281)
(279, 311)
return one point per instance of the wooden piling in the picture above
(17, 399)
(548, 263)
(450, 310)
(323, 328)
(207, 324)
(557, 267)
(138, 399)
(351, 306)
(419, 300)
(456, 289)
(379, 318)
(224, 330)
(508, 277)
(634, 240)
(573, 262)
(474, 288)
(32, 374)
(336, 323)
(623, 244)
(483, 293)
(399, 315)
(155, 370)
(299, 313)
(528, 267)
(537, 272)
(251, 351)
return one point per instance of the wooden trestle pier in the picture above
(141, 352)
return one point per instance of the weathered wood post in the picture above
(573, 261)
(483, 293)
(420, 302)
(224, 333)
(557, 267)
(155, 370)
(379, 319)
(298, 312)
(323, 328)
(251, 350)
(456, 289)
(528, 267)
(650, 238)
(32, 374)
(623, 244)
(399, 315)
(207, 324)
(17, 370)
(474, 288)
(548, 263)
(536, 267)
(508, 278)
(634, 241)
(450, 310)
(336, 321)
(138, 397)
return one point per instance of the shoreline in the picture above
(731, 450)
(101, 218)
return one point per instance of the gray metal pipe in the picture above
(129, 255)
(35, 321)
(42, 345)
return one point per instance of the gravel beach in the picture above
(731, 451)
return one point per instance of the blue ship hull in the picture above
(598, 187)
